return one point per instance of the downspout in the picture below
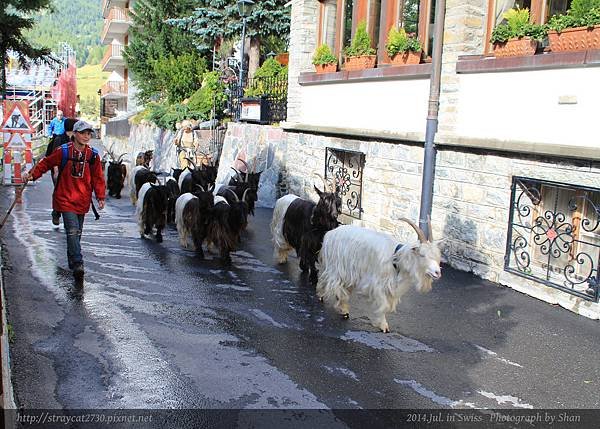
(432, 118)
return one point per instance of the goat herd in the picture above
(349, 257)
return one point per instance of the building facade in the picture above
(116, 95)
(517, 173)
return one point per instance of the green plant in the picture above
(517, 25)
(398, 42)
(323, 55)
(264, 79)
(361, 43)
(583, 13)
(211, 94)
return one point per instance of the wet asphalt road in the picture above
(155, 327)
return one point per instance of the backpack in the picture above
(63, 163)
(65, 157)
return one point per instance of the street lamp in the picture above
(245, 8)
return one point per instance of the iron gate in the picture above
(554, 235)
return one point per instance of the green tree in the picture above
(15, 18)
(178, 77)
(213, 19)
(152, 39)
(76, 22)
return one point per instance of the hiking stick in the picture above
(18, 192)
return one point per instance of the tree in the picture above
(152, 39)
(15, 18)
(214, 19)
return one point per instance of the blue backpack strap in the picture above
(65, 157)
(94, 155)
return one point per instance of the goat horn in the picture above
(201, 187)
(234, 194)
(244, 196)
(325, 184)
(240, 179)
(254, 165)
(192, 162)
(244, 162)
(418, 230)
(121, 157)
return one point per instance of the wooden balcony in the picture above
(113, 58)
(114, 89)
(116, 24)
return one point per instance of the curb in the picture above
(8, 401)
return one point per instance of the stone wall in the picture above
(303, 42)
(262, 148)
(145, 137)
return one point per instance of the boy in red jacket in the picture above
(72, 195)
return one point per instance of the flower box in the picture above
(405, 58)
(326, 68)
(360, 62)
(575, 39)
(523, 47)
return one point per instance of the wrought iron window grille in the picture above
(554, 235)
(345, 167)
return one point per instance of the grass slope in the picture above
(89, 81)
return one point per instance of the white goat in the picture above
(376, 266)
(184, 232)
(139, 206)
(132, 195)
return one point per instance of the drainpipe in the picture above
(432, 118)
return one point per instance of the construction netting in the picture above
(65, 90)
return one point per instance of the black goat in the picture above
(301, 225)
(152, 209)
(176, 173)
(227, 223)
(194, 212)
(142, 175)
(172, 194)
(115, 177)
(203, 175)
(249, 180)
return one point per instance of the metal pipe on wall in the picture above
(432, 118)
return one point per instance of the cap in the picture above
(81, 126)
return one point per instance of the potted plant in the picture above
(324, 60)
(402, 48)
(517, 37)
(360, 55)
(578, 30)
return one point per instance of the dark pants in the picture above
(73, 227)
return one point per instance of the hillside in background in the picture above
(76, 22)
(89, 79)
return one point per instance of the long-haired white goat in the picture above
(376, 266)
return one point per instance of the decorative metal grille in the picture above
(554, 235)
(346, 169)
(273, 89)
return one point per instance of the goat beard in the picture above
(425, 285)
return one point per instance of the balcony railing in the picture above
(113, 51)
(114, 87)
(116, 14)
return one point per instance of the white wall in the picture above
(524, 106)
(391, 106)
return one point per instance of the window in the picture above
(554, 235)
(338, 20)
(540, 12)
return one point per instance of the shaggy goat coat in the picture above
(151, 209)
(372, 264)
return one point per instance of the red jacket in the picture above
(77, 180)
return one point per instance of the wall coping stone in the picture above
(355, 132)
(416, 71)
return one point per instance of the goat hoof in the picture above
(321, 298)
(386, 330)
(346, 316)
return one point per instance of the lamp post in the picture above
(245, 8)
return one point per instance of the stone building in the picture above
(517, 173)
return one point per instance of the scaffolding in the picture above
(36, 84)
